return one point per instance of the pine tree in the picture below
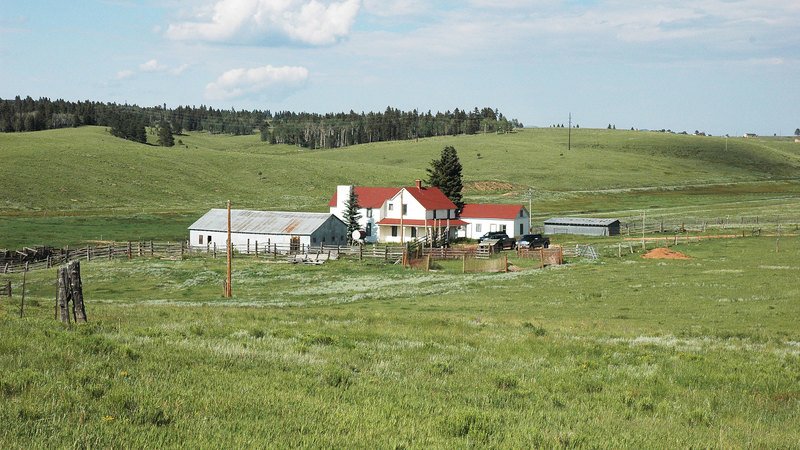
(351, 214)
(165, 138)
(445, 174)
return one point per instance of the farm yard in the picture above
(697, 346)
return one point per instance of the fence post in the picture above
(360, 252)
(151, 248)
(464, 263)
(275, 251)
(182, 248)
(256, 249)
(130, 250)
(22, 303)
(215, 250)
(248, 246)
(386, 253)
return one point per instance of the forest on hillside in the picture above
(310, 130)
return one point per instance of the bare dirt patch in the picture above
(488, 186)
(664, 253)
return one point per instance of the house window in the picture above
(369, 229)
(369, 212)
(405, 209)
(477, 228)
(390, 207)
(394, 230)
(413, 232)
(522, 213)
(313, 240)
(200, 241)
(503, 228)
(434, 213)
(209, 239)
(521, 232)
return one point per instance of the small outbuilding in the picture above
(274, 227)
(582, 225)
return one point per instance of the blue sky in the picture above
(720, 66)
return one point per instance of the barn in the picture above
(262, 227)
(582, 225)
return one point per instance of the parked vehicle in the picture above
(533, 241)
(503, 240)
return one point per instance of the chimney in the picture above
(418, 183)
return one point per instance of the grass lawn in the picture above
(619, 352)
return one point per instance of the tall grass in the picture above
(625, 352)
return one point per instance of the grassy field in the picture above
(624, 352)
(66, 186)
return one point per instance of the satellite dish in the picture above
(358, 235)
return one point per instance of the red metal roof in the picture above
(490, 211)
(431, 198)
(421, 223)
(370, 197)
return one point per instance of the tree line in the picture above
(310, 130)
(342, 129)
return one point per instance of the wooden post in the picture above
(22, 302)
(619, 250)
(275, 250)
(360, 252)
(464, 263)
(228, 290)
(151, 248)
(541, 257)
(139, 248)
(386, 253)
(777, 247)
(248, 246)
(256, 249)
(505, 264)
(130, 250)
(215, 250)
(63, 295)
(183, 248)
(76, 291)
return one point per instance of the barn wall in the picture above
(576, 229)
(331, 232)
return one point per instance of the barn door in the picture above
(294, 244)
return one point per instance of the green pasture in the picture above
(94, 181)
(620, 352)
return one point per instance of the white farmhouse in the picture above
(425, 211)
(419, 212)
(371, 202)
(298, 229)
(481, 218)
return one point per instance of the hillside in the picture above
(87, 172)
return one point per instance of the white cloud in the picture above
(122, 74)
(152, 66)
(308, 22)
(259, 81)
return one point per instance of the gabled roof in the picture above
(369, 197)
(262, 222)
(490, 211)
(430, 197)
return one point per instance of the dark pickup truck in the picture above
(501, 236)
(533, 241)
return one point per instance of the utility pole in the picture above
(228, 290)
(569, 139)
(530, 214)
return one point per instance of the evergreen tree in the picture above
(351, 214)
(797, 131)
(445, 174)
(165, 138)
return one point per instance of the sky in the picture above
(718, 66)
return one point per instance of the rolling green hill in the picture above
(85, 172)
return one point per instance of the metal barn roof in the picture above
(580, 221)
(261, 222)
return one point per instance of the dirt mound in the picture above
(664, 253)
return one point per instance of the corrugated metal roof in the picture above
(261, 222)
(585, 221)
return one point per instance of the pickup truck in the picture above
(533, 241)
(501, 236)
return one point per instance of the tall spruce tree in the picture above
(445, 174)
(351, 214)
(165, 138)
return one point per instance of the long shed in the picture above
(262, 227)
(582, 225)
